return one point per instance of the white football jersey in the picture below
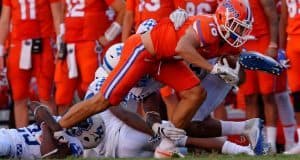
(25, 142)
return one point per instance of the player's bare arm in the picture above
(56, 9)
(42, 114)
(116, 27)
(270, 11)
(187, 49)
(282, 25)
(131, 119)
(127, 25)
(80, 111)
(4, 29)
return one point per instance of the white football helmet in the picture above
(90, 132)
(112, 57)
(146, 25)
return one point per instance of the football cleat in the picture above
(253, 60)
(253, 131)
(160, 153)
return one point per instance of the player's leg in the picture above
(44, 73)
(87, 64)
(133, 143)
(130, 69)
(219, 144)
(6, 144)
(176, 74)
(293, 50)
(65, 87)
(267, 89)
(285, 110)
(19, 83)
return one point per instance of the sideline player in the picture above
(89, 27)
(31, 51)
(265, 30)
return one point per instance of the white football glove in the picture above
(228, 74)
(178, 17)
(59, 40)
(61, 136)
(168, 130)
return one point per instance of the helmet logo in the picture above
(227, 4)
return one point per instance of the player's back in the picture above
(293, 26)
(32, 19)
(197, 7)
(165, 37)
(87, 20)
(150, 9)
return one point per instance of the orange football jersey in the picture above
(145, 9)
(260, 25)
(293, 26)
(197, 7)
(31, 18)
(204, 26)
(87, 19)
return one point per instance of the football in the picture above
(232, 60)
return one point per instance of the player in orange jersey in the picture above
(31, 50)
(289, 36)
(138, 11)
(199, 38)
(265, 31)
(89, 27)
(197, 7)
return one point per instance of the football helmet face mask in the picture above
(234, 22)
(112, 57)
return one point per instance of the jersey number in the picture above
(201, 8)
(27, 5)
(153, 6)
(75, 8)
(29, 139)
(293, 8)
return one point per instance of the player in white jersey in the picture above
(33, 142)
(25, 143)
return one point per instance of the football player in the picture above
(31, 51)
(265, 31)
(89, 27)
(289, 49)
(152, 53)
(36, 141)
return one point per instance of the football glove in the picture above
(168, 130)
(282, 59)
(224, 71)
(178, 17)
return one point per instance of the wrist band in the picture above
(1, 50)
(273, 45)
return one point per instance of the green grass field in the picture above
(222, 157)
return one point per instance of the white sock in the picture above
(232, 128)
(166, 144)
(232, 148)
(271, 137)
(285, 108)
(298, 134)
(289, 134)
(181, 142)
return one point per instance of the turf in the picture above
(221, 157)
